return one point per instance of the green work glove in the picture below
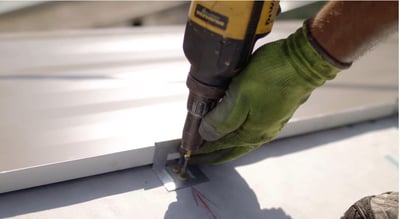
(260, 100)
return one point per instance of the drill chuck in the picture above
(202, 99)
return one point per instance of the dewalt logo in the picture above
(211, 17)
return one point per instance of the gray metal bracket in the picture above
(165, 158)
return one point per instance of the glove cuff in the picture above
(311, 61)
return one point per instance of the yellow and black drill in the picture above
(219, 39)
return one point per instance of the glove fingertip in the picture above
(207, 132)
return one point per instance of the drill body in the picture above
(219, 39)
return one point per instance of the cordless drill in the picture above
(219, 39)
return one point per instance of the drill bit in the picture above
(186, 157)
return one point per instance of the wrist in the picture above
(320, 49)
(345, 30)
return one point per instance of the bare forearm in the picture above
(346, 29)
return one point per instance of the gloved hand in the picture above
(260, 100)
